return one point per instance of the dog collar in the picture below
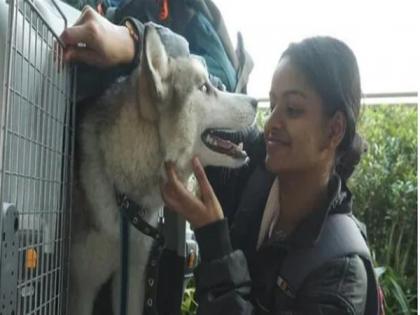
(134, 212)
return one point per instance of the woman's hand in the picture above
(198, 211)
(96, 41)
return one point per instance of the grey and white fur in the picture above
(159, 113)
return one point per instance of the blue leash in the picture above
(124, 264)
(130, 213)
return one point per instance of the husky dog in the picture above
(166, 110)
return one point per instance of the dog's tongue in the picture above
(224, 144)
(230, 148)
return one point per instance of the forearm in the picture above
(223, 283)
(111, 50)
(175, 44)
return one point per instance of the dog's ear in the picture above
(154, 60)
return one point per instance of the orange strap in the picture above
(100, 8)
(164, 10)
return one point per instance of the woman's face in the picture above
(296, 132)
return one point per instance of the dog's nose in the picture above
(254, 103)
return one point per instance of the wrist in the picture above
(213, 240)
(130, 45)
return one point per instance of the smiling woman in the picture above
(293, 245)
(296, 127)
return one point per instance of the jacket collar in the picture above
(307, 233)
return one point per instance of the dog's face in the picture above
(194, 118)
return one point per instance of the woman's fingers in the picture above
(81, 54)
(174, 189)
(74, 35)
(176, 196)
(87, 14)
(207, 193)
(171, 172)
(111, 43)
(171, 190)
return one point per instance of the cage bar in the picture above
(36, 156)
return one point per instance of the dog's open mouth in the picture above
(218, 141)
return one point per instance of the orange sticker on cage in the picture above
(31, 258)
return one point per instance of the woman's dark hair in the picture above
(330, 66)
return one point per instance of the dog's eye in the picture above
(204, 88)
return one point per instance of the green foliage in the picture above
(189, 305)
(262, 116)
(385, 190)
(399, 300)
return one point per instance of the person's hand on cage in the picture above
(96, 41)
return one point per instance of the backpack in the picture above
(203, 26)
(342, 235)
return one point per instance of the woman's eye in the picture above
(204, 88)
(293, 112)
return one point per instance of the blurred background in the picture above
(384, 35)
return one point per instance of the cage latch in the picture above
(8, 259)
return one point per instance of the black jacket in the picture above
(235, 278)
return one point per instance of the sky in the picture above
(384, 35)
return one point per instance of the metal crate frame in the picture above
(36, 162)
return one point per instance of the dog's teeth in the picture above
(211, 140)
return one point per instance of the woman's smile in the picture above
(276, 142)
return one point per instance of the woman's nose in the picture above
(275, 119)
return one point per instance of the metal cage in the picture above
(36, 154)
